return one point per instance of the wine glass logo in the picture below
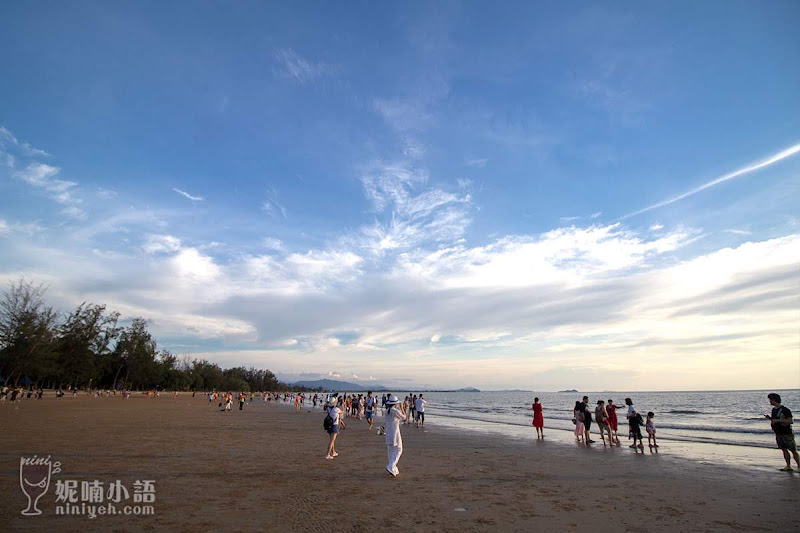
(34, 480)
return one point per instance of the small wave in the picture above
(686, 412)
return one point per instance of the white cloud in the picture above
(273, 244)
(8, 141)
(737, 231)
(74, 212)
(789, 152)
(436, 338)
(656, 227)
(273, 208)
(161, 243)
(477, 162)
(313, 271)
(4, 229)
(190, 264)
(565, 255)
(106, 194)
(404, 115)
(297, 68)
(189, 196)
(416, 214)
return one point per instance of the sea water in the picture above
(706, 426)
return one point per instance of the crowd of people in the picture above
(411, 411)
(605, 417)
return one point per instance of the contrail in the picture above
(735, 174)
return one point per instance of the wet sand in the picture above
(263, 469)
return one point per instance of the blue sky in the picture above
(433, 194)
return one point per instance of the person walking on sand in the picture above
(336, 414)
(613, 423)
(577, 419)
(601, 418)
(634, 421)
(395, 413)
(370, 409)
(781, 421)
(538, 419)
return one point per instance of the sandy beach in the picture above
(262, 469)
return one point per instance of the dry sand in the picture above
(262, 469)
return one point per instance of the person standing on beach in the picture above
(407, 407)
(587, 420)
(613, 423)
(538, 419)
(650, 427)
(633, 423)
(781, 422)
(420, 404)
(394, 441)
(336, 414)
(577, 419)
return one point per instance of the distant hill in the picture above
(334, 385)
(468, 389)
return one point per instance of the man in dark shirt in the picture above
(587, 420)
(781, 421)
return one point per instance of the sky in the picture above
(426, 194)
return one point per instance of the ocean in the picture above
(708, 426)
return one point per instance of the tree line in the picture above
(88, 348)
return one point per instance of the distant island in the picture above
(468, 389)
(334, 385)
(569, 390)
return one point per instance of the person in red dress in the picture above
(538, 419)
(611, 409)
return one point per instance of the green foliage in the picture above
(87, 348)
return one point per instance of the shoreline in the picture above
(263, 469)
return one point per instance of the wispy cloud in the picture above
(8, 140)
(414, 213)
(45, 177)
(273, 208)
(189, 196)
(477, 163)
(722, 179)
(404, 115)
(295, 67)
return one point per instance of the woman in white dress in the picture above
(395, 413)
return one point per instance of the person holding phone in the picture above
(781, 422)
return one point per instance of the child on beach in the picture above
(650, 427)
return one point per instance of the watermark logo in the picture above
(34, 480)
(83, 498)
